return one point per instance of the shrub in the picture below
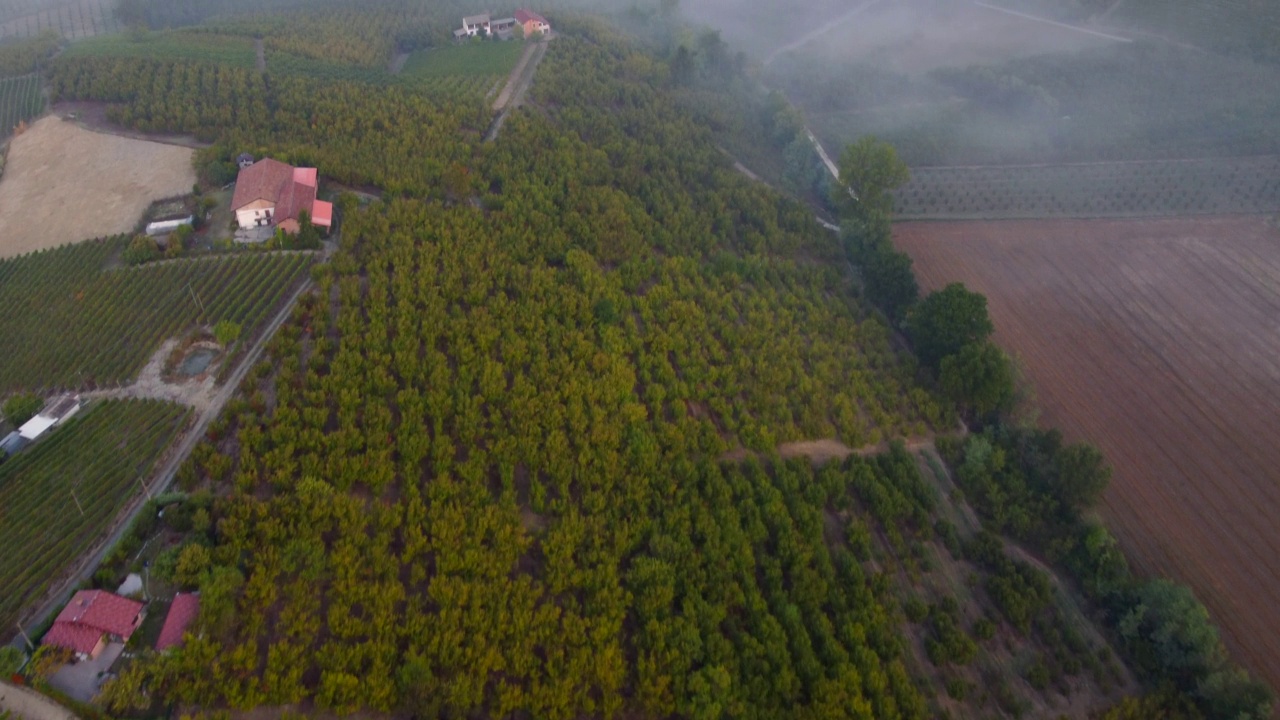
(20, 408)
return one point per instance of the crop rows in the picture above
(73, 20)
(20, 100)
(109, 322)
(1128, 189)
(57, 497)
(455, 86)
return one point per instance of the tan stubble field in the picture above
(1159, 342)
(65, 184)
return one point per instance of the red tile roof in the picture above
(524, 16)
(290, 189)
(266, 179)
(322, 213)
(183, 611)
(89, 615)
(297, 198)
(306, 176)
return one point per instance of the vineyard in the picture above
(177, 45)
(1125, 189)
(20, 99)
(108, 322)
(483, 59)
(72, 19)
(59, 496)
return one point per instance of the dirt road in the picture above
(165, 473)
(518, 84)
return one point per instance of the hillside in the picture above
(517, 453)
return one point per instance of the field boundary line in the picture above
(1096, 163)
(1055, 23)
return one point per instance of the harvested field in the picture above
(1158, 341)
(63, 184)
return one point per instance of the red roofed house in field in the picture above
(183, 612)
(270, 193)
(532, 22)
(91, 619)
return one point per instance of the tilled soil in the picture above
(65, 184)
(1159, 342)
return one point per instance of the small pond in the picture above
(197, 362)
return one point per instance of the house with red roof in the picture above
(182, 612)
(91, 620)
(272, 194)
(532, 22)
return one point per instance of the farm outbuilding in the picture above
(166, 226)
(182, 612)
(58, 411)
(12, 443)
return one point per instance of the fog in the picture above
(960, 82)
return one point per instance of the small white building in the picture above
(474, 25)
(58, 411)
(164, 227)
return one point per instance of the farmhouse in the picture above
(270, 193)
(91, 620)
(474, 25)
(58, 411)
(532, 22)
(529, 21)
(182, 612)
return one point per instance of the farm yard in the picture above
(1157, 341)
(109, 321)
(1125, 189)
(72, 19)
(102, 458)
(111, 179)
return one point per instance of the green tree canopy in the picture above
(946, 321)
(20, 408)
(1081, 475)
(979, 379)
(869, 170)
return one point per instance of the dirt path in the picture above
(512, 96)
(197, 393)
(820, 31)
(397, 63)
(824, 450)
(31, 705)
(259, 48)
(163, 476)
(514, 78)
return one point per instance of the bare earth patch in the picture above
(1156, 340)
(64, 184)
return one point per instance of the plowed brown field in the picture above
(1158, 341)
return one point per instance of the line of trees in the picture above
(1028, 483)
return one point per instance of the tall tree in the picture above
(979, 379)
(869, 170)
(946, 321)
